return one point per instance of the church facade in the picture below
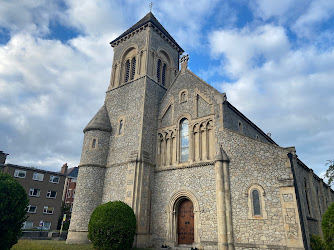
(195, 170)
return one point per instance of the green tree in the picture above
(327, 226)
(330, 172)
(65, 209)
(13, 210)
(112, 226)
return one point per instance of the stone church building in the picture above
(195, 170)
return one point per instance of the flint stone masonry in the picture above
(141, 164)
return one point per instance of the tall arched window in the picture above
(184, 138)
(127, 70)
(158, 70)
(163, 77)
(133, 68)
(256, 203)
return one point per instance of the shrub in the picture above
(112, 226)
(327, 226)
(13, 209)
(316, 242)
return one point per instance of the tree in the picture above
(65, 209)
(13, 210)
(330, 172)
(112, 226)
(327, 226)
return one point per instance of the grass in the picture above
(52, 245)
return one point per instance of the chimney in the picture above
(64, 169)
(3, 157)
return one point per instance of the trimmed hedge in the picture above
(316, 242)
(13, 210)
(327, 226)
(112, 226)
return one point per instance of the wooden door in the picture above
(186, 222)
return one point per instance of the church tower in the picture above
(119, 148)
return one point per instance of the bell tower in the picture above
(119, 151)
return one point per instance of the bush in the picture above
(13, 210)
(316, 242)
(327, 226)
(112, 226)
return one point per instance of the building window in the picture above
(133, 68)
(120, 129)
(46, 225)
(256, 137)
(73, 194)
(34, 192)
(38, 177)
(307, 198)
(240, 127)
(256, 203)
(163, 77)
(183, 96)
(127, 70)
(71, 207)
(94, 143)
(68, 195)
(51, 194)
(20, 173)
(28, 225)
(48, 210)
(184, 140)
(54, 179)
(31, 209)
(158, 70)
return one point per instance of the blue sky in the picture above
(274, 59)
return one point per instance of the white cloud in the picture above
(289, 94)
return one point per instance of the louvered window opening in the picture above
(133, 67)
(127, 71)
(163, 74)
(158, 70)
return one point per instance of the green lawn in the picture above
(51, 245)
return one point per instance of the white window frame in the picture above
(38, 176)
(18, 172)
(32, 190)
(46, 222)
(73, 194)
(29, 207)
(48, 194)
(25, 225)
(52, 177)
(68, 195)
(46, 210)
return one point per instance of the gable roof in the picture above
(72, 172)
(149, 18)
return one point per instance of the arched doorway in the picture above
(185, 222)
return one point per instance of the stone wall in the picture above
(256, 163)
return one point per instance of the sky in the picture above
(273, 59)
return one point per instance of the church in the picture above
(196, 171)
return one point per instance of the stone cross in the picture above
(151, 5)
(184, 61)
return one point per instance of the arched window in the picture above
(184, 138)
(256, 203)
(133, 68)
(158, 70)
(163, 78)
(306, 196)
(240, 127)
(94, 143)
(127, 70)
(120, 129)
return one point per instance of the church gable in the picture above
(192, 96)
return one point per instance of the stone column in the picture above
(220, 196)
(228, 206)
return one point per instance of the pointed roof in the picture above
(149, 18)
(100, 121)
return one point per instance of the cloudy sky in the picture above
(274, 59)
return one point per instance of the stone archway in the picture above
(172, 217)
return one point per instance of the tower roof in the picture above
(149, 18)
(100, 121)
